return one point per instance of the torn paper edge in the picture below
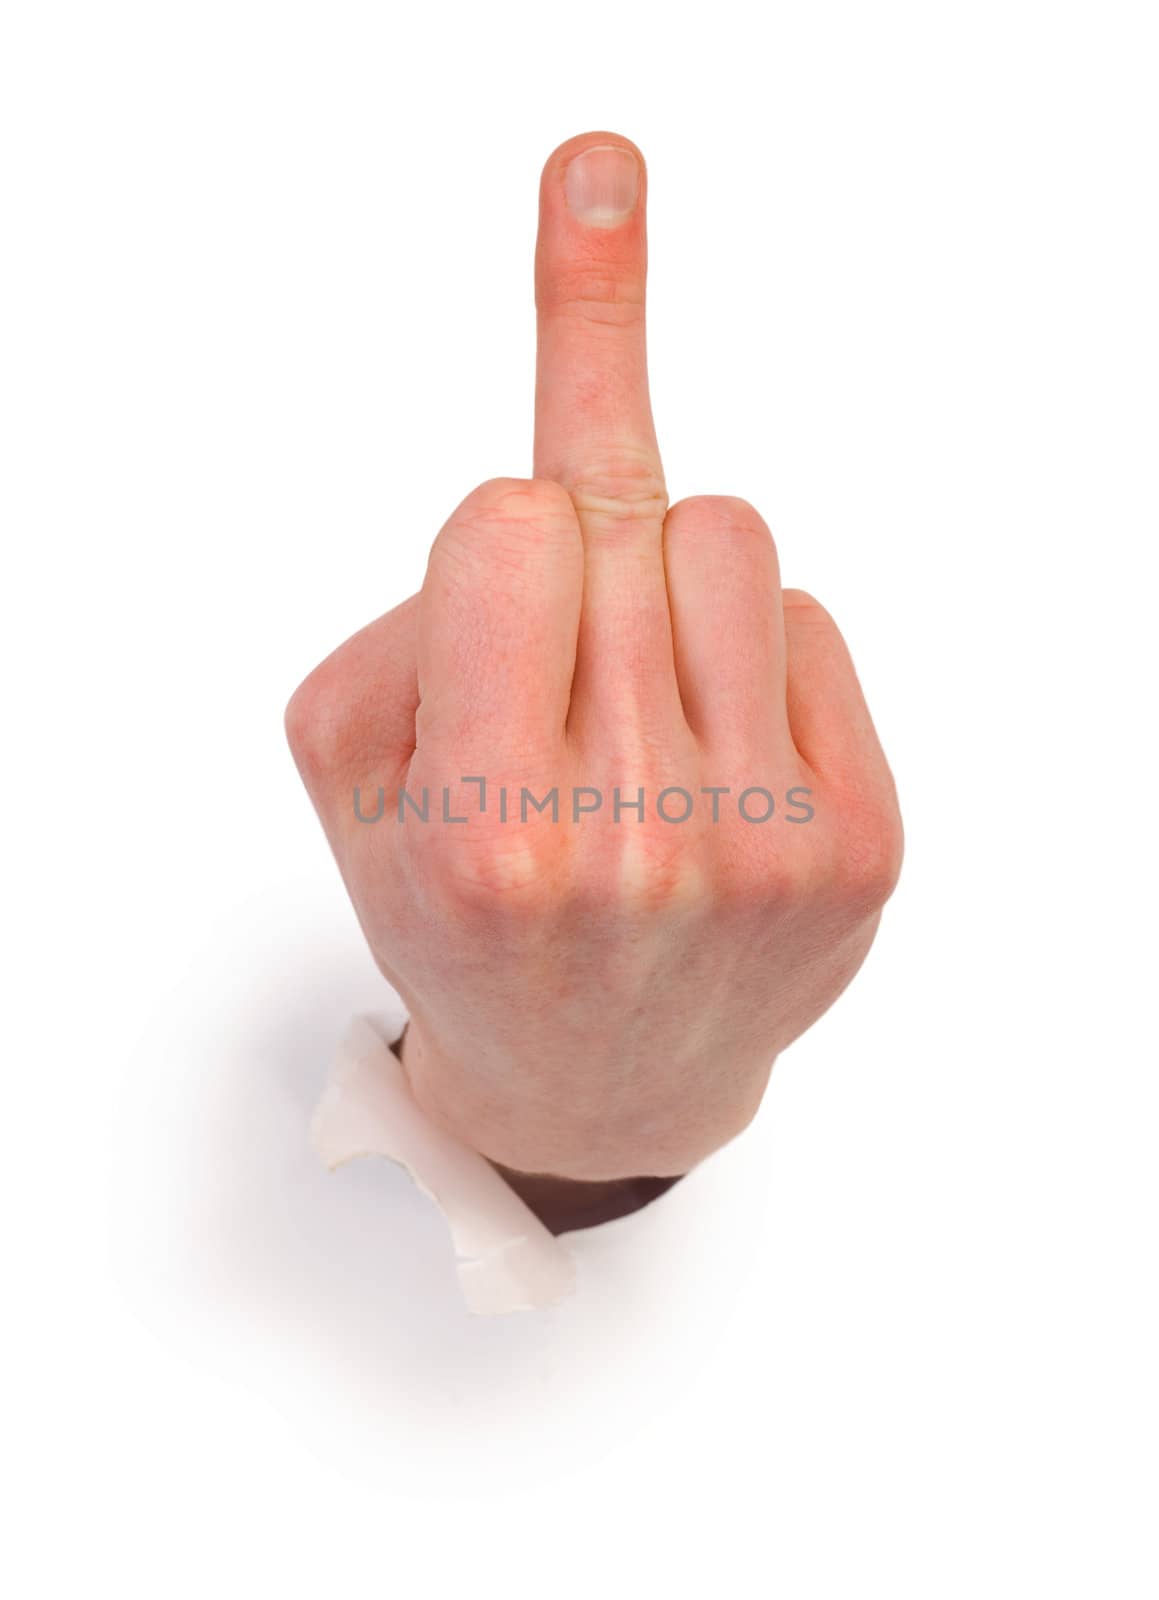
(506, 1259)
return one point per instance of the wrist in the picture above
(562, 1203)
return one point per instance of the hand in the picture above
(601, 996)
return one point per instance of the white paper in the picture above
(507, 1260)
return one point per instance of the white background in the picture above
(266, 317)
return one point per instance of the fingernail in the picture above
(601, 185)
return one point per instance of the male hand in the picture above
(601, 996)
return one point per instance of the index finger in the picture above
(593, 416)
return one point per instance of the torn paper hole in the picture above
(507, 1260)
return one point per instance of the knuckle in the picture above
(516, 497)
(868, 859)
(488, 878)
(594, 292)
(761, 880)
(510, 515)
(625, 485)
(806, 609)
(652, 874)
(493, 492)
(720, 516)
(317, 721)
(757, 869)
(725, 535)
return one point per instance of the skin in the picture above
(596, 1001)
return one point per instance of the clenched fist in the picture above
(608, 801)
